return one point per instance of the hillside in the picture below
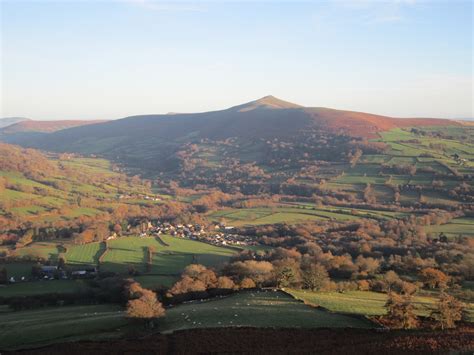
(7, 121)
(45, 126)
(152, 143)
(26, 130)
(40, 191)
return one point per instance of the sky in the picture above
(111, 59)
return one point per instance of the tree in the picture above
(448, 311)
(315, 277)
(391, 280)
(187, 284)
(287, 272)
(247, 283)
(146, 307)
(285, 276)
(433, 278)
(259, 271)
(193, 270)
(400, 311)
(225, 282)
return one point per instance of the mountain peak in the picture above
(266, 102)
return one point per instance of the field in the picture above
(43, 250)
(18, 270)
(250, 308)
(59, 324)
(49, 198)
(255, 309)
(296, 212)
(171, 255)
(41, 287)
(87, 254)
(363, 302)
(280, 214)
(455, 228)
(430, 156)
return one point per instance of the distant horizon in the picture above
(219, 109)
(89, 60)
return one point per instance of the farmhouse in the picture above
(48, 270)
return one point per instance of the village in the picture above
(219, 234)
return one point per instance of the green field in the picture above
(60, 324)
(294, 213)
(43, 250)
(125, 252)
(363, 302)
(87, 254)
(255, 309)
(41, 287)
(167, 260)
(51, 198)
(32, 328)
(297, 212)
(456, 227)
(18, 270)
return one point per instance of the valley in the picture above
(314, 224)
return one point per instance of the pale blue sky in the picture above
(110, 59)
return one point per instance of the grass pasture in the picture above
(255, 309)
(87, 254)
(32, 328)
(18, 270)
(456, 227)
(43, 250)
(365, 303)
(41, 287)
(296, 213)
(167, 260)
(272, 215)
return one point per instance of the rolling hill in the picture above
(45, 126)
(20, 130)
(7, 121)
(264, 140)
(266, 117)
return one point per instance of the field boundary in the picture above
(317, 306)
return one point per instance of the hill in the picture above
(7, 121)
(45, 126)
(40, 190)
(152, 143)
(26, 129)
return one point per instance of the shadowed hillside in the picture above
(157, 143)
(45, 126)
(266, 117)
(7, 121)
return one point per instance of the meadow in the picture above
(366, 303)
(171, 255)
(255, 309)
(455, 228)
(429, 155)
(296, 212)
(279, 214)
(24, 329)
(33, 328)
(42, 287)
